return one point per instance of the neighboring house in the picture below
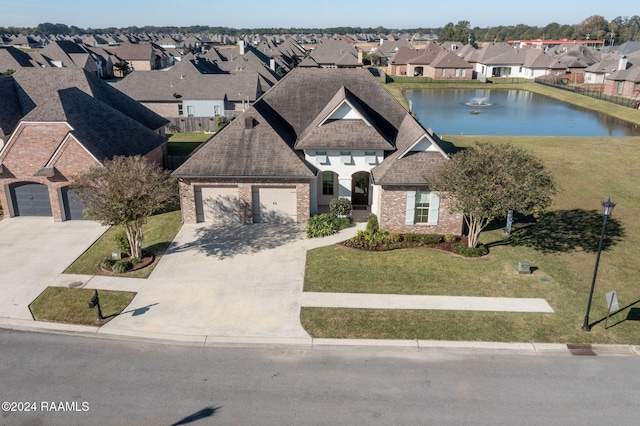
(61, 122)
(143, 56)
(434, 61)
(317, 135)
(12, 58)
(625, 81)
(65, 53)
(333, 53)
(194, 87)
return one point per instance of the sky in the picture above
(305, 14)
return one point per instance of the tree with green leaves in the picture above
(126, 191)
(123, 67)
(485, 181)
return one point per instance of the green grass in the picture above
(70, 305)
(562, 248)
(158, 232)
(185, 143)
(189, 137)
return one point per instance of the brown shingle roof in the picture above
(290, 112)
(103, 130)
(38, 84)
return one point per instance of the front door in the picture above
(360, 189)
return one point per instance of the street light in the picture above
(607, 208)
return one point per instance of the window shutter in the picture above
(411, 207)
(434, 207)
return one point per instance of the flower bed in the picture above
(384, 241)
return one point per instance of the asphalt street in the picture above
(108, 382)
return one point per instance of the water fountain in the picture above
(480, 101)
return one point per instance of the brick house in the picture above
(60, 122)
(317, 135)
(625, 80)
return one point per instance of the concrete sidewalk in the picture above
(398, 301)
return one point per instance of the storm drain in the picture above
(581, 349)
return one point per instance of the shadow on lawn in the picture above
(225, 241)
(564, 231)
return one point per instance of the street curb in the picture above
(541, 349)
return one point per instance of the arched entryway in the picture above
(360, 190)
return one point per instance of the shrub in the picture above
(372, 224)
(340, 206)
(326, 224)
(464, 250)
(321, 225)
(120, 267)
(121, 241)
(430, 238)
(135, 260)
(221, 122)
(450, 238)
(107, 262)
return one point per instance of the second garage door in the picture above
(274, 204)
(217, 204)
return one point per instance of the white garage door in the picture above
(217, 204)
(274, 204)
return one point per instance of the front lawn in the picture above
(158, 232)
(561, 246)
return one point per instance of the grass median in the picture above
(158, 233)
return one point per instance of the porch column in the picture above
(344, 187)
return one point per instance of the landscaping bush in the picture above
(326, 224)
(320, 226)
(466, 251)
(120, 267)
(372, 224)
(135, 260)
(121, 241)
(415, 237)
(450, 238)
(340, 207)
(107, 262)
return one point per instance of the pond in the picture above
(509, 112)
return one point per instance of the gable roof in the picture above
(104, 131)
(359, 133)
(295, 114)
(187, 81)
(258, 144)
(36, 85)
(448, 59)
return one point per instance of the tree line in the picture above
(596, 27)
(617, 31)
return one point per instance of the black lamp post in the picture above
(607, 208)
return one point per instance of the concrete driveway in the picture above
(225, 282)
(33, 252)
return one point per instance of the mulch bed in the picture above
(147, 260)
